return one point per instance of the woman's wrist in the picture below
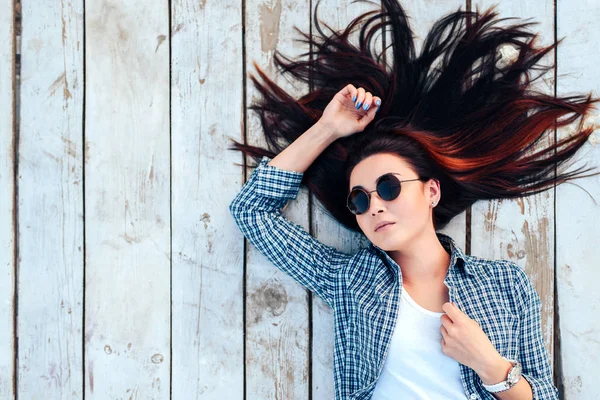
(328, 131)
(495, 371)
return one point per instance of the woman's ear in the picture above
(434, 190)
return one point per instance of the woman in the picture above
(415, 317)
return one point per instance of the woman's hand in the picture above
(346, 113)
(465, 341)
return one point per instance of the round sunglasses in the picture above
(387, 187)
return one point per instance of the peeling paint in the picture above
(159, 40)
(269, 26)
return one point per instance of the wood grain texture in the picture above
(101, 326)
(7, 206)
(277, 336)
(208, 269)
(50, 196)
(522, 230)
(127, 309)
(578, 210)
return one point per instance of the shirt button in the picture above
(474, 396)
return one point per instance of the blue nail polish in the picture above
(377, 109)
(378, 102)
(366, 107)
(354, 99)
(358, 105)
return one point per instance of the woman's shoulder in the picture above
(495, 266)
(507, 273)
(501, 269)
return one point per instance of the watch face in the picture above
(514, 375)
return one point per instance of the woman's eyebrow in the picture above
(362, 187)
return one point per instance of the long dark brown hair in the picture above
(476, 126)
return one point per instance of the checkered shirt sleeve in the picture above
(256, 210)
(532, 352)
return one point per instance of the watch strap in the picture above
(506, 384)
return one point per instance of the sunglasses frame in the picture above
(376, 184)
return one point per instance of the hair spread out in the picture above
(471, 121)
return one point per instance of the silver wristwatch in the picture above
(511, 380)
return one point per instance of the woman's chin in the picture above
(388, 242)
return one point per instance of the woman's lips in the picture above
(384, 227)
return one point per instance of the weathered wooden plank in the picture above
(50, 196)
(578, 210)
(207, 107)
(277, 335)
(127, 309)
(7, 206)
(522, 230)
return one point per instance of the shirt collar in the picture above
(457, 256)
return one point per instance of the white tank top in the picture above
(416, 367)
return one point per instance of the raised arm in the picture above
(257, 212)
(256, 209)
(340, 118)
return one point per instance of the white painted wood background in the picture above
(122, 273)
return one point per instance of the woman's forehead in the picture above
(366, 172)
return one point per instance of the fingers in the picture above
(368, 117)
(360, 98)
(377, 102)
(368, 100)
(349, 91)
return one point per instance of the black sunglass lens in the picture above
(358, 201)
(388, 187)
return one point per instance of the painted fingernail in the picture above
(358, 105)
(366, 106)
(378, 102)
(354, 99)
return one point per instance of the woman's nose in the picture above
(376, 203)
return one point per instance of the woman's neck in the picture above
(424, 261)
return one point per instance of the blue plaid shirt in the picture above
(363, 289)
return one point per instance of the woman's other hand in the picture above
(350, 111)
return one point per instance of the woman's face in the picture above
(410, 212)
